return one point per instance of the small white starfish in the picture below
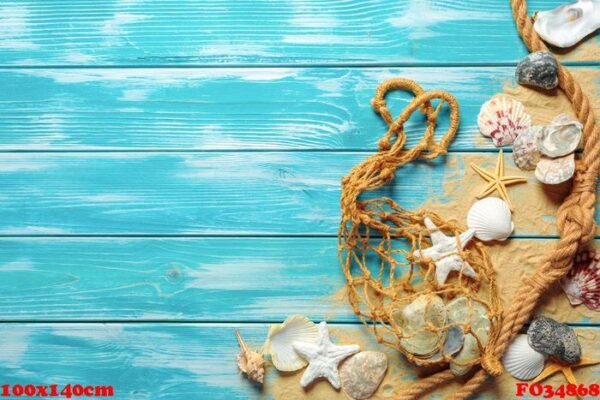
(444, 252)
(323, 358)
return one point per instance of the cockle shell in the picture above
(582, 283)
(491, 219)
(521, 360)
(503, 119)
(421, 322)
(526, 148)
(566, 25)
(471, 314)
(251, 363)
(553, 171)
(282, 337)
(561, 137)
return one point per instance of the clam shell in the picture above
(553, 171)
(281, 337)
(521, 360)
(582, 283)
(561, 137)
(566, 25)
(417, 320)
(526, 148)
(471, 314)
(503, 119)
(491, 219)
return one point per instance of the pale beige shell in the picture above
(553, 171)
(526, 148)
(471, 314)
(561, 137)
(421, 322)
(251, 363)
(566, 25)
(282, 337)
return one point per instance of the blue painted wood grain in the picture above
(226, 109)
(217, 32)
(204, 279)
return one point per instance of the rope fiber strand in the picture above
(369, 227)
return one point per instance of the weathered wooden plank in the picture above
(230, 109)
(209, 279)
(167, 361)
(216, 32)
(264, 193)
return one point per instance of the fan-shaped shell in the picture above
(503, 119)
(421, 322)
(553, 171)
(471, 314)
(582, 283)
(566, 25)
(281, 337)
(491, 219)
(561, 137)
(521, 360)
(526, 148)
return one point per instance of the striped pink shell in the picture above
(582, 283)
(503, 119)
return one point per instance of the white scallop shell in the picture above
(521, 360)
(561, 137)
(421, 322)
(566, 25)
(503, 119)
(553, 171)
(491, 219)
(526, 148)
(281, 337)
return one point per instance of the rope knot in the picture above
(491, 364)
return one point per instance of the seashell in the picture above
(566, 25)
(471, 314)
(503, 119)
(582, 283)
(521, 360)
(538, 69)
(491, 219)
(561, 137)
(454, 340)
(526, 148)
(362, 374)
(281, 338)
(422, 323)
(251, 363)
(553, 171)
(554, 339)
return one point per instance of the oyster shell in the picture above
(521, 360)
(282, 337)
(422, 323)
(566, 25)
(471, 314)
(553, 171)
(491, 219)
(582, 283)
(526, 148)
(503, 119)
(561, 137)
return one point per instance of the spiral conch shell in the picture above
(250, 362)
(566, 25)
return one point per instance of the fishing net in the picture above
(392, 287)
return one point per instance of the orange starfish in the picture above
(567, 370)
(497, 181)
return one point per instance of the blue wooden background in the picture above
(170, 172)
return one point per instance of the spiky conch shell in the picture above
(521, 360)
(503, 119)
(582, 283)
(250, 362)
(281, 338)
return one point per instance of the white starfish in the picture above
(323, 358)
(445, 254)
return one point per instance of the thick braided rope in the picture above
(576, 226)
